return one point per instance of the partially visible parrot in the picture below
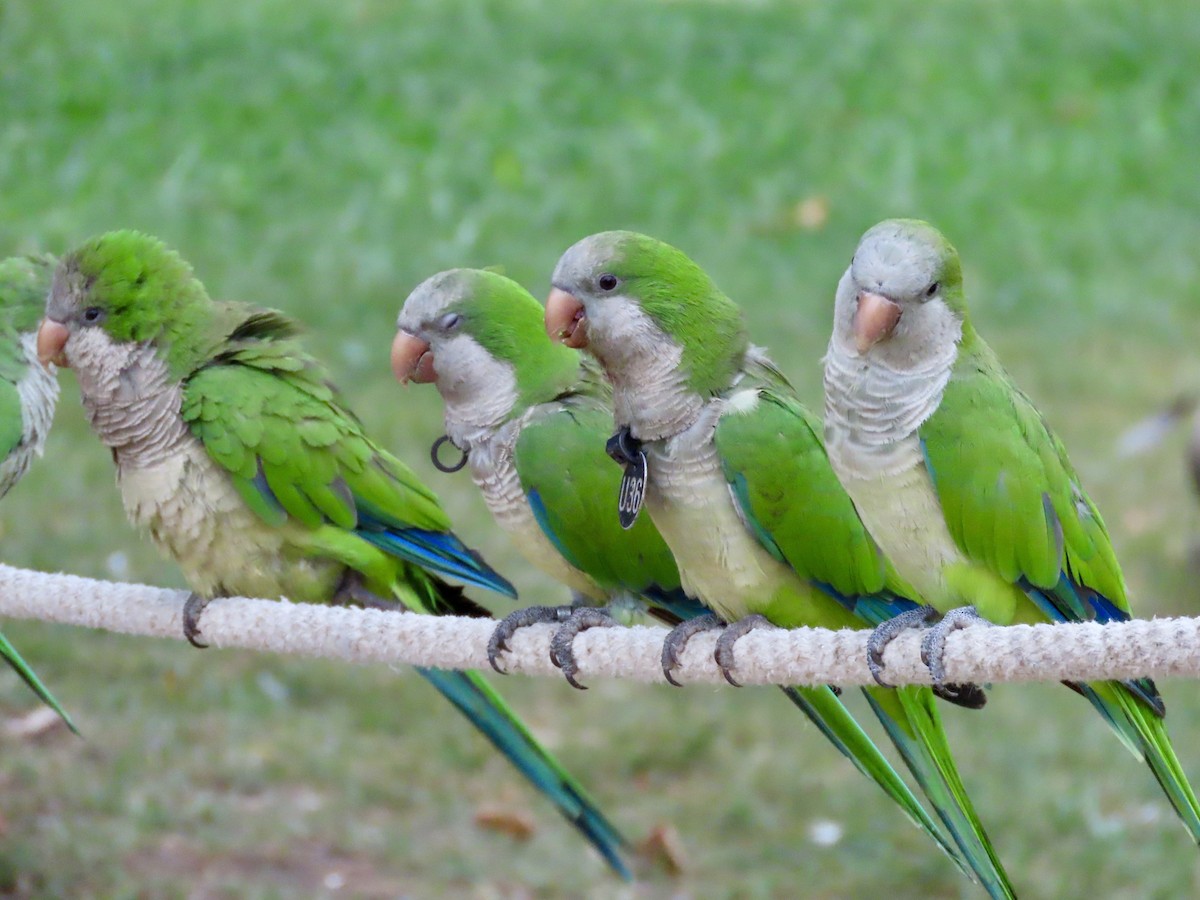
(960, 480)
(737, 481)
(530, 417)
(28, 393)
(238, 456)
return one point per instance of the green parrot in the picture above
(238, 456)
(737, 481)
(960, 480)
(531, 417)
(28, 393)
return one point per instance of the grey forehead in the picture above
(432, 297)
(65, 288)
(586, 256)
(892, 255)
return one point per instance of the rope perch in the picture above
(804, 656)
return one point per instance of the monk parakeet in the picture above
(531, 417)
(238, 456)
(28, 393)
(737, 481)
(960, 480)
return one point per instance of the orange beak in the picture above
(412, 359)
(51, 340)
(566, 319)
(874, 320)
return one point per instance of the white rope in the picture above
(1087, 652)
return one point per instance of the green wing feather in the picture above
(1002, 476)
(1012, 501)
(774, 460)
(562, 465)
(774, 454)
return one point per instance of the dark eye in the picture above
(932, 289)
(607, 282)
(449, 321)
(92, 314)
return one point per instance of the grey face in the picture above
(897, 260)
(427, 311)
(476, 386)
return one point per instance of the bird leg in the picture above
(730, 636)
(515, 621)
(933, 649)
(351, 590)
(562, 645)
(887, 632)
(192, 607)
(678, 639)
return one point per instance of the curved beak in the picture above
(874, 320)
(566, 319)
(51, 340)
(412, 359)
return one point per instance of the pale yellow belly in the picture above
(719, 561)
(195, 517)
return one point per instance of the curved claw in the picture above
(562, 645)
(730, 636)
(678, 638)
(514, 622)
(192, 607)
(933, 644)
(887, 632)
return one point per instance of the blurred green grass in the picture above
(324, 158)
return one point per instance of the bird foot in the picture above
(887, 632)
(515, 621)
(933, 644)
(352, 591)
(730, 636)
(562, 645)
(678, 639)
(192, 607)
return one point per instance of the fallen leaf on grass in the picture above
(515, 823)
(664, 845)
(35, 724)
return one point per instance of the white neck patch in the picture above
(129, 397)
(478, 390)
(875, 402)
(644, 365)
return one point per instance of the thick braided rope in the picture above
(1158, 647)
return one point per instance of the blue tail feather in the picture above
(437, 551)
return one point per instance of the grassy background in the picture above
(323, 158)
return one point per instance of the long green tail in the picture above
(910, 716)
(488, 712)
(1145, 734)
(13, 658)
(827, 712)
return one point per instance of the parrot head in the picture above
(902, 295)
(478, 337)
(647, 312)
(24, 283)
(114, 296)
